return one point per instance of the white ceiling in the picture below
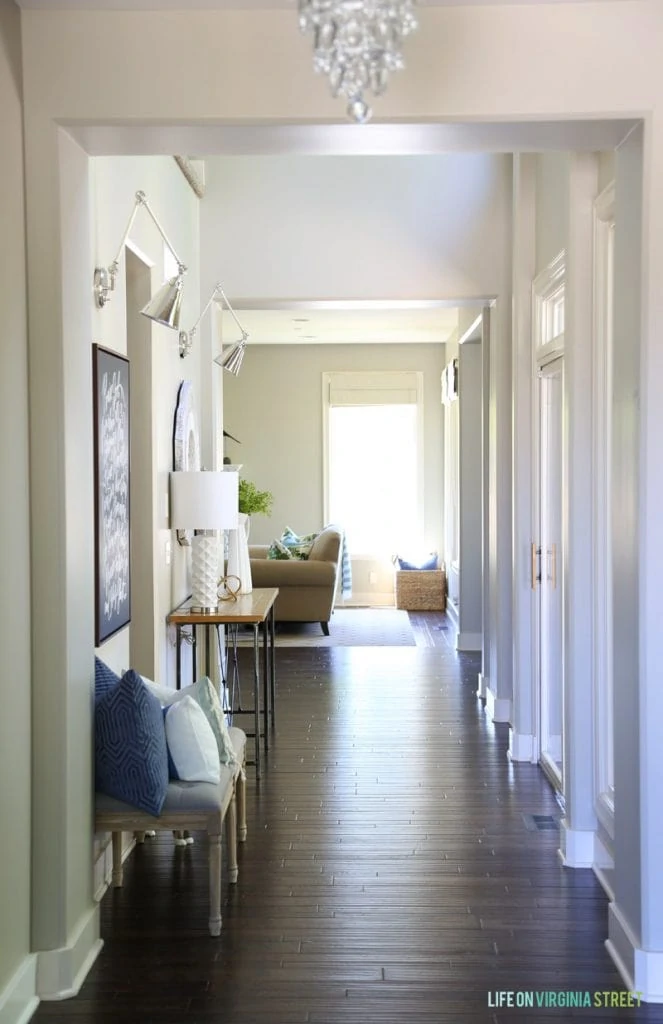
(328, 323)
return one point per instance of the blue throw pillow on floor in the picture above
(131, 754)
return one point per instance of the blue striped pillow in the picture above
(131, 754)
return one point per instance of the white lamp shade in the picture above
(204, 500)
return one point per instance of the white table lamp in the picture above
(204, 502)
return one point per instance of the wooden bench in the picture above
(189, 806)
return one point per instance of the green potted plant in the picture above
(252, 501)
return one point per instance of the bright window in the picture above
(373, 462)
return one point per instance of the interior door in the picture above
(548, 570)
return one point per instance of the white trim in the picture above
(546, 288)
(603, 860)
(61, 972)
(483, 684)
(18, 999)
(602, 357)
(472, 331)
(641, 970)
(576, 846)
(521, 747)
(604, 806)
(498, 709)
(469, 642)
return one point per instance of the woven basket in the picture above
(421, 590)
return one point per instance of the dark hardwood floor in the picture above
(389, 876)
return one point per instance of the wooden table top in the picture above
(252, 608)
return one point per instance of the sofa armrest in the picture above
(258, 550)
(281, 572)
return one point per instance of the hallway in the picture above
(390, 874)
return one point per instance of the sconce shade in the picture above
(204, 500)
(164, 307)
(232, 359)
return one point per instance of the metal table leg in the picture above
(256, 697)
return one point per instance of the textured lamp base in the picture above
(204, 572)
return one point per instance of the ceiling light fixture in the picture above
(357, 43)
(164, 307)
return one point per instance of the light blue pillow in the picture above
(299, 547)
(278, 550)
(131, 754)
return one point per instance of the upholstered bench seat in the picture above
(189, 806)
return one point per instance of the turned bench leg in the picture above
(240, 793)
(215, 885)
(231, 841)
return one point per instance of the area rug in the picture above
(349, 627)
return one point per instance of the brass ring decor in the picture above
(231, 589)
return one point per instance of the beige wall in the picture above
(275, 409)
(14, 524)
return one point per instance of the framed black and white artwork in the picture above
(111, 492)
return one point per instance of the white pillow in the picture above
(164, 694)
(191, 742)
(206, 694)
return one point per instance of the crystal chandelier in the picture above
(357, 43)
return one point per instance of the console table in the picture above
(257, 610)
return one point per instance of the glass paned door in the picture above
(550, 571)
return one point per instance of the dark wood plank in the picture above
(388, 874)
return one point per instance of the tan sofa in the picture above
(306, 588)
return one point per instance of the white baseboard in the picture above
(18, 999)
(521, 747)
(576, 846)
(61, 972)
(483, 685)
(640, 969)
(469, 642)
(497, 708)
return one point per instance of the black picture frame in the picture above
(112, 521)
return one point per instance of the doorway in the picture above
(547, 570)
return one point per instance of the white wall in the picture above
(15, 754)
(274, 407)
(552, 206)
(115, 181)
(471, 472)
(357, 227)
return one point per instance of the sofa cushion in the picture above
(131, 755)
(191, 742)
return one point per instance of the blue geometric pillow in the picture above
(104, 679)
(131, 754)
